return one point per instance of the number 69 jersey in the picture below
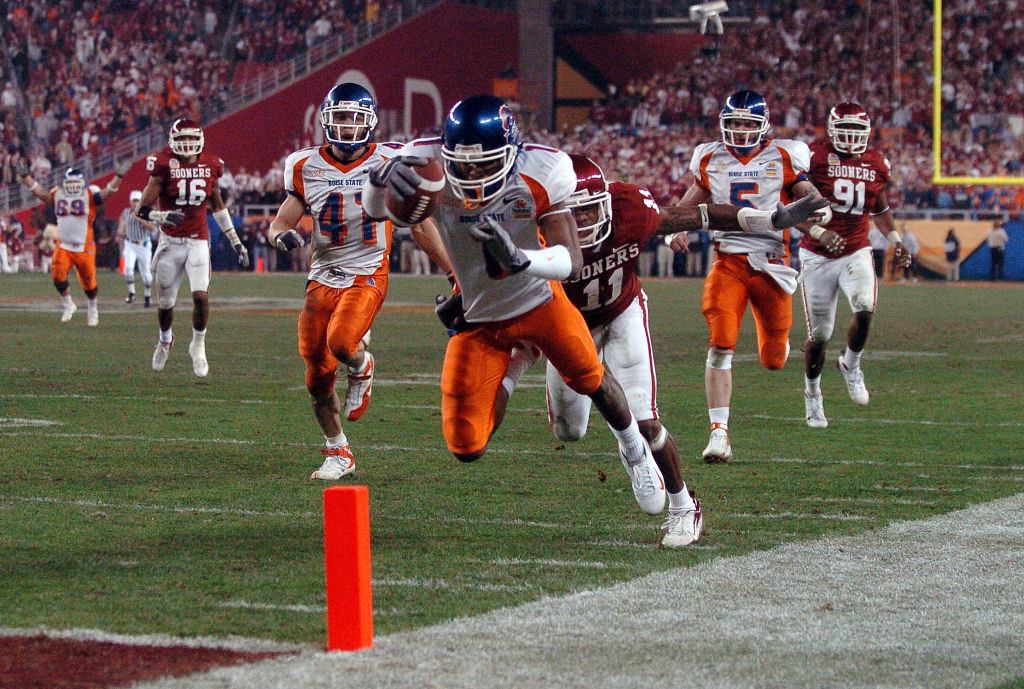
(855, 187)
(345, 241)
(186, 187)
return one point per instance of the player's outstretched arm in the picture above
(21, 172)
(428, 238)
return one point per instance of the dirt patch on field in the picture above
(41, 662)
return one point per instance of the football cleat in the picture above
(69, 311)
(160, 354)
(647, 481)
(130, 299)
(147, 303)
(360, 387)
(814, 405)
(92, 315)
(338, 462)
(683, 528)
(854, 381)
(719, 449)
(200, 366)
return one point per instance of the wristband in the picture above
(894, 237)
(705, 220)
(552, 263)
(753, 220)
(35, 185)
(816, 231)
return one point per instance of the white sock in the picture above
(337, 441)
(147, 292)
(362, 366)
(631, 443)
(678, 502)
(166, 335)
(812, 385)
(67, 300)
(851, 359)
(521, 360)
(131, 288)
(93, 302)
(719, 415)
(199, 336)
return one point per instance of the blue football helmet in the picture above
(744, 106)
(348, 116)
(480, 145)
(73, 182)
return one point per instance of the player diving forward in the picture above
(615, 221)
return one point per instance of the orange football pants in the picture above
(332, 322)
(476, 360)
(729, 287)
(84, 263)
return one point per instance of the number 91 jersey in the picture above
(345, 240)
(186, 187)
(855, 186)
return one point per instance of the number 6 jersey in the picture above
(186, 187)
(345, 241)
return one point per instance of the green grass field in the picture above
(134, 501)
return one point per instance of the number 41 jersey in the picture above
(186, 187)
(855, 186)
(346, 242)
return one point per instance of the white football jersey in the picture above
(541, 178)
(760, 181)
(345, 241)
(75, 216)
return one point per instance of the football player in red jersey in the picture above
(614, 222)
(835, 254)
(185, 180)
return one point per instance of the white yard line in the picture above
(931, 603)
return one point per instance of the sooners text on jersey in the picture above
(186, 187)
(855, 186)
(608, 282)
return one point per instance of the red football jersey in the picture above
(186, 187)
(608, 282)
(855, 186)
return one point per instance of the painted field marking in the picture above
(28, 423)
(310, 609)
(234, 643)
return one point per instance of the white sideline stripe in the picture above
(438, 584)
(31, 423)
(930, 603)
(870, 462)
(537, 562)
(246, 605)
(232, 643)
(868, 501)
(888, 422)
(198, 509)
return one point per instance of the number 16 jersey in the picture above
(186, 187)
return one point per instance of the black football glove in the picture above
(286, 241)
(399, 175)
(121, 169)
(449, 310)
(501, 256)
(20, 170)
(798, 211)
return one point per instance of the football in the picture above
(418, 207)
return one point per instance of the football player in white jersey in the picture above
(348, 276)
(75, 204)
(500, 198)
(748, 170)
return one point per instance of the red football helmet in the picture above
(591, 195)
(186, 137)
(849, 128)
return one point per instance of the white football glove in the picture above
(171, 218)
